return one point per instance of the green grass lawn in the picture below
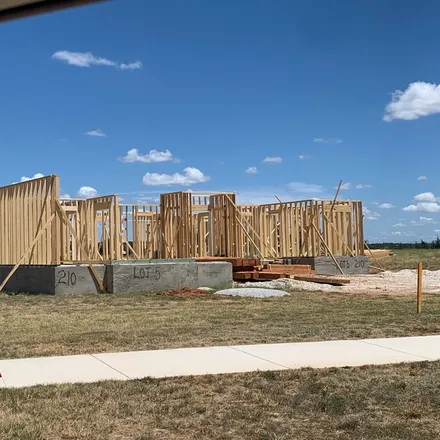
(409, 258)
(396, 402)
(60, 325)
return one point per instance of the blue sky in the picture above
(259, 97)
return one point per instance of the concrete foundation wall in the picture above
(117, 278)
(29, 279)
(71, 280)
(326, 265)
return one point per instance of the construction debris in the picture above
(323, 280)
(251, 269)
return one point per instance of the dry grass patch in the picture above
(50, 325)
(400, 402)
(409, 258)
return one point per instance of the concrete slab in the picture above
(327, 354)
(74, 279)
(150, 277)
(55, 370)
(427, 347)
(216, 274)
(326, 265)
(185, 361)
(29, 279)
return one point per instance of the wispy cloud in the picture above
(422, 178)
(86, 192)
(275, 159)
(418, 100)
(98, 132)
(399, 225)
(133, 155)
(348, 185)
(251, 170)
(303, 157)
(190, 176)
(403, 233)
(35, 176)
(422, 221)
(87, 59)
(321, 140)
(370, 215)
(305, 188)
(386, 206)
(345, 186)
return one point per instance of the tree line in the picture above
(434, 244)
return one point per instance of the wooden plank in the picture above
(322, 280)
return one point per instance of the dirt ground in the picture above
(403, 282)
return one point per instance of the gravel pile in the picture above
(252, 292)
(403, 282)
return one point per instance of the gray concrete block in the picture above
(71, 280)
(215, 274)
(326, 265)
(29, 279)
(150, 277)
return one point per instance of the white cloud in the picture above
(436, 231)
(419, 99)
(423, 221)
(399, 225)
(423, 207)
(303, 157)
(290, 192)
(321, 140)
(396, 233)
(133, 155)
(131, 66)
(386, 206)
(86, 192)
(35, 176)
(251, 170)
(275, 159)
(304, 188)
(87, 59)
(96, 132)
(190, 176)
(363, 185)
(425, 197)
(370, 215)
(65, 196)
(422, 178)
(345, 186)
(425, 202)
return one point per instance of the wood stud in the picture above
(183, 225)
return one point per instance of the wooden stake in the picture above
(40, 232)
(419, 287)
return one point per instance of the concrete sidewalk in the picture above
(216, 360)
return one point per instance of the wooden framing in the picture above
(184, 225)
